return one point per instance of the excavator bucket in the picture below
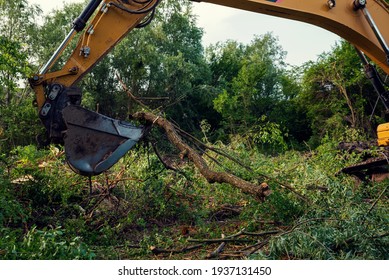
(94, 142)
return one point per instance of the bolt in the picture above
(331, 3)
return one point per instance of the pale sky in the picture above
(303, 42)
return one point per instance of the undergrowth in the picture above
(140, 210)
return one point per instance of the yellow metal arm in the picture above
(341, 19)
(111, 22)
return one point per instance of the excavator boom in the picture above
(341, 17)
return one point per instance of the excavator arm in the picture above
(357, 21)
(93, 142)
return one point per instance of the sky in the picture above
(301, 41)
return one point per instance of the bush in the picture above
(46, 244)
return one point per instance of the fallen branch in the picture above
(376, 201)
(156, 250)
(258, 246)
(222, 153)
(218, 250)
(218, 240)
(129, 93)
(258, 191)
(234, 237)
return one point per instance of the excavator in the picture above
(94, 142)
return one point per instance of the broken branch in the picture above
(258, 191)
(156, 250)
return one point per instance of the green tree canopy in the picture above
(338, 95)
(254, 86)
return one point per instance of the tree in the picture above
(13, 66)
(253, 83)
(337, 94)
(17, 27)
(17, 23)
(225, 60)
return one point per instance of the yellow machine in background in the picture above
(383, 134)
(93, 142)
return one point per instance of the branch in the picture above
(222, 153)
(233, 238)
(219, 240)
(156, 250)
(258, 191)
(378, 198)
(129, 93)
(218, 250)
(213, 149)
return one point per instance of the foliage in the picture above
(140, 205)
(16, 26)
(44, 244)
(15, 119)
(253, 82)
(13, 65)
(336, 93)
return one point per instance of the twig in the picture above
(156, 250)
(262, 233)
(218, 240)
(129, 93)
(290, 188)
(234, 237)
(258, 246)
(218, 250)
(231, 255)
(376, 201)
